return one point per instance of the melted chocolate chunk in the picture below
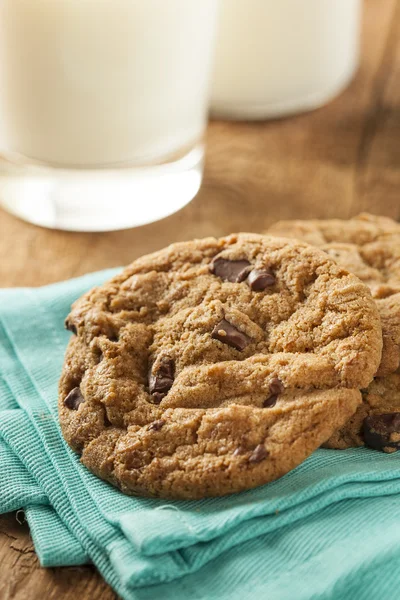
(156, 426)
(234, 271)
(276, 388)
(259, 453)
(270, 401)
(74, 399)
(382, 432)
(227, 333)
(70, 326)
(260, 279)
(161, 381)
(158, 396)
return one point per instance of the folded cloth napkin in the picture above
(329, 529)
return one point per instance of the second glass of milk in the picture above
(103, 106)
(280, 57)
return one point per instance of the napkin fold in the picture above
(328, 529)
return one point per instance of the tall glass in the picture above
(103, 106)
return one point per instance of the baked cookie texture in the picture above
(376, 423)
(369, 247)
(216, 365)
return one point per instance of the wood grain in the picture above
(22, 577)
(336, 161)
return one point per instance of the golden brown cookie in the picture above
(369, 247)
(376, 423)
(215, 365)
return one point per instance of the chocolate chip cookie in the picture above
(369, 247)
(215, 365)
(376, 423)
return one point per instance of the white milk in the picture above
(103, 82)
(282, 56)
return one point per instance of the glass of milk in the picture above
(103, 106)
(278, 57)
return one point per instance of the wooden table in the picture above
(337, 161)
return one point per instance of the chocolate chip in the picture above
(70, 326)
(74, 399)
(161, 381)
(234, 271)
(161, 384)
(260, 279)
(227, 333)
(270, 401)
(259, 453)
(158, 396)
(382, 432)
(156, 425)
(276, 388)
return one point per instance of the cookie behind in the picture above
(369, 247)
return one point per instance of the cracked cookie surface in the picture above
(369, 247)
(215, 365)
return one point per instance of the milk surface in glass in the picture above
(103, 105)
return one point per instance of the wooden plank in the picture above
(333, 162)
(22, 578)
(378, 165)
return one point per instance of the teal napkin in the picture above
(328, 529)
